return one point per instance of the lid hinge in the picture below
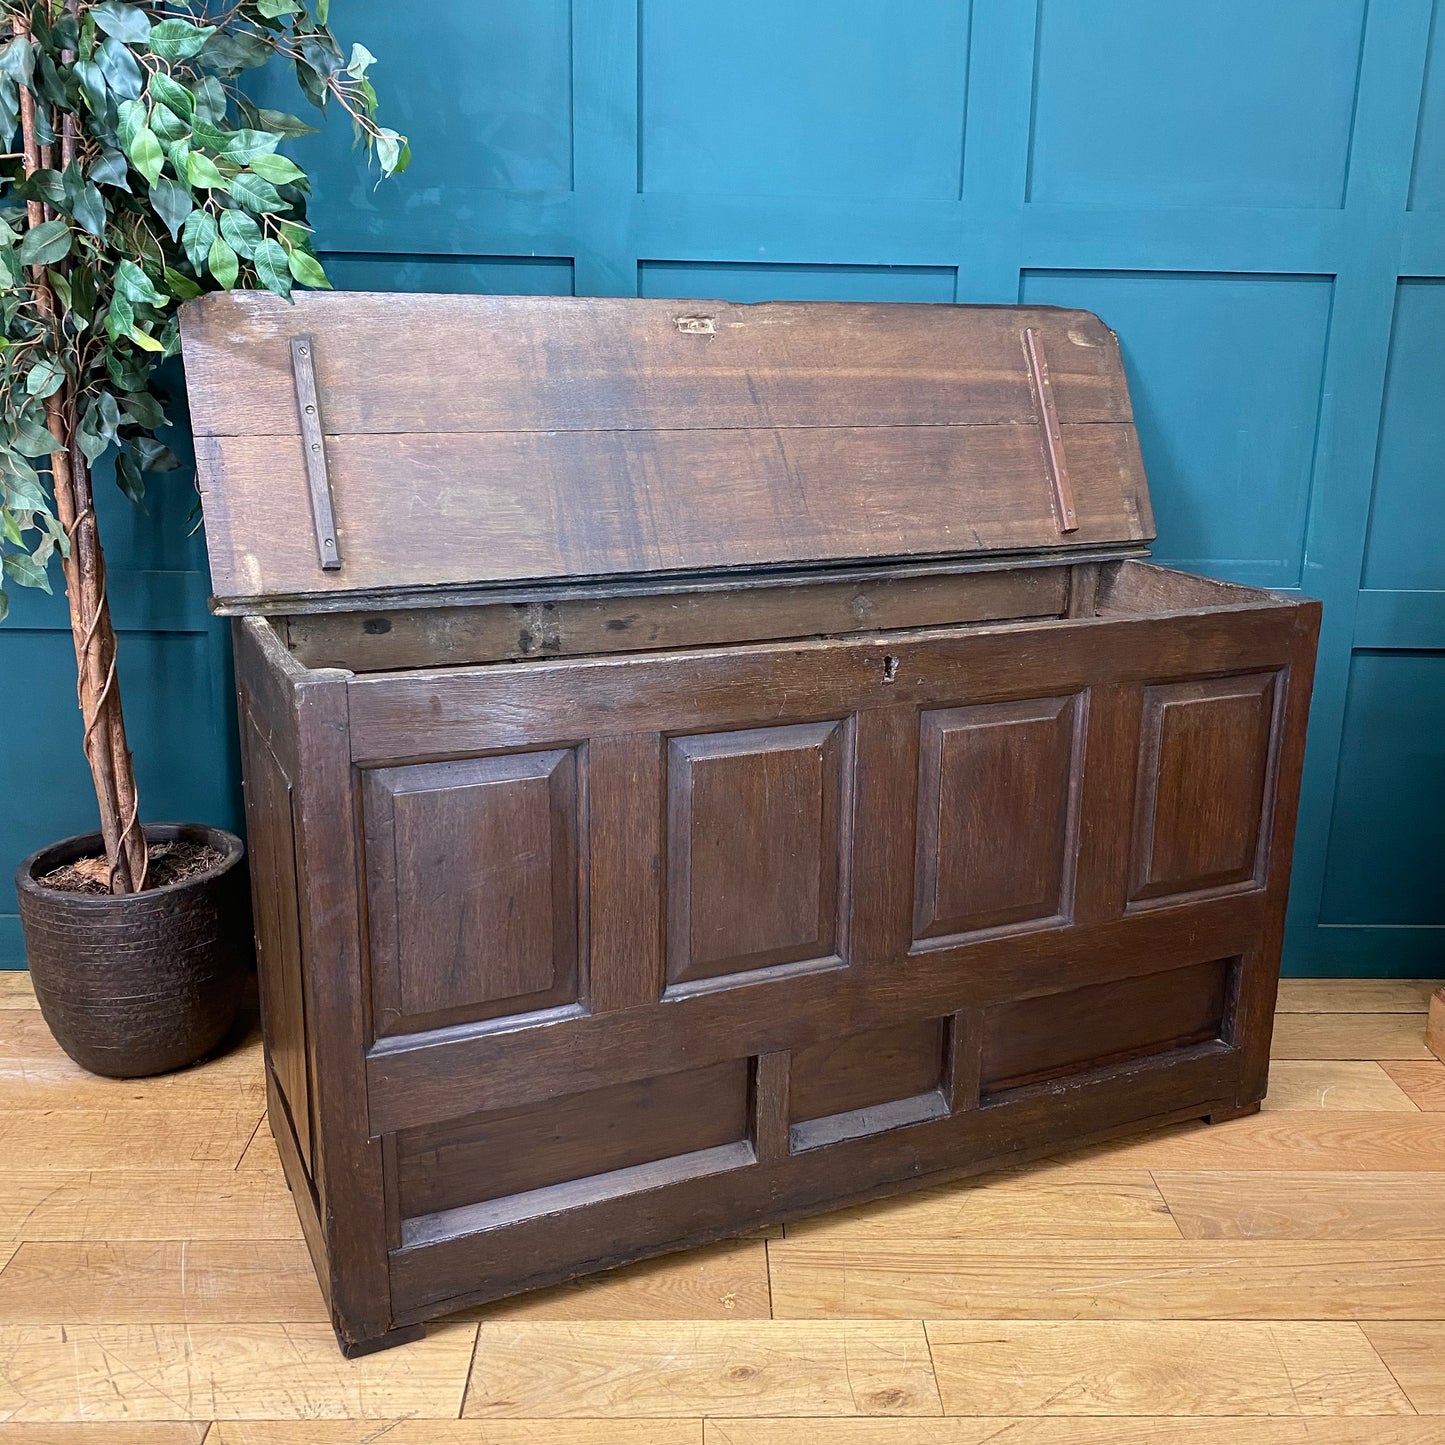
(313, 446)
(1053, 438)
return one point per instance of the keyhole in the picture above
(890, 668)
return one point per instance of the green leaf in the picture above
(145, 340)
(230, 53)
(31, 436)
(179, 39)
(130, 122)
(392, 152)
(45, 185)
(11, 529)
(323, 11)
(277, 169)
(222, 263)
(243, 146)
(172, 202)
(110, 170)
(119, 318)
(137, 288)
(46, 377)
(129, 479)
(361, 61)
(203, 173)
(168, 125)
(17, 60)
(271, 267)
(283, 124)
(196, 236)
(4, 605)
(172, 93)
(92, 84)
(151, 455)
(210, 101)
(180, 285)
(45, 244)
(307, 270)
(25, 570)
(89, 211)
(241, 232)
(271, 9)
(140, 407)
(146, 154)
(124, 22)
(255, 194)
(121, 71)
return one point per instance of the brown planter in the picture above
(146, 982)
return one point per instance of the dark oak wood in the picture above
(731, 790)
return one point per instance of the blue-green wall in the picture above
(1252, 192)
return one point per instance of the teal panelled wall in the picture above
(1252, 192)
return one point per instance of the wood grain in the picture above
(1160, 1367)
(721, 1282)
(1120, 1205)
(113, 1433)
(1422, 1080)
(120, 1138)
(687, 1369)
(53, 1373)
(1260, 1204)
(1336, 1084)
(1355, 995)
(1415, 1355)
(1114, 1279)
(121, 1205)
(1077, 1430)
(1350, 1036)
(16, 990)
(464, 1432)
(160, 1282)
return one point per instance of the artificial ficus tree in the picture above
(144, 176)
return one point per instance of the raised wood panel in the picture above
(472, 874)
(995, 792)
(511, 1151)
(1039, 1038)
(757, 845)
(1203, 796)
(861, 1069)
(277, 923)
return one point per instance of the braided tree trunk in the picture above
(98, 689)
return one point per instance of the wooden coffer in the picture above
(708, 763)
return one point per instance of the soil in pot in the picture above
(141, 983)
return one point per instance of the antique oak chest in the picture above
(706, 763)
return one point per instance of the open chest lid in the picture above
(392, 447)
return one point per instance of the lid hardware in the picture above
(313, 446)
(1053, 438)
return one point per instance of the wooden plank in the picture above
(161, 1282)
(36, 1074)
(1349, 1036)
(261, 1153)
(640, 1369)
(112, 1433)
(1423, 1080)
(1113, 1279)
(52, 1373)
(120, 1138)
(466, 1432)
(722, 1282)
(1160, 1367)
(1074, 1430)
(1374, 1141)
(430, 509)
(1355, 995)
(559, 363)
(1123, 1204)
(1263, 1204)
(16, 990)
(120, 1205)
(1415, 1355)
(1336, 1084)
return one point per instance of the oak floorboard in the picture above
(111, 1433)
(1341, 1085)
(122, 1204)
(1111, 1279)
(527, 1368)
(1260, 1204)
(720, 1282)
(182, 1137)
(1159, 1367)
(460, 1432)
(1370, 1140)
(261, 1153)
(1422, 1080)
(1355, 995)
(1123, 1204)
(161, 1282)
(16, 990)
(1077, 1430)
(1350, 1036)
(1415, 1354)
(55, 1373)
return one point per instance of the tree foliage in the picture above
(157, 179)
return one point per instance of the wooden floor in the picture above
(1278, 1279)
